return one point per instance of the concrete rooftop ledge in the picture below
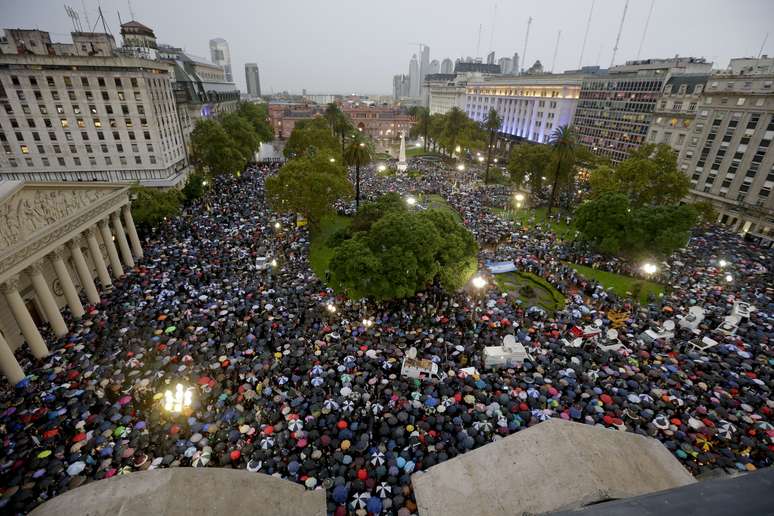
(555, 465)
(186, 492)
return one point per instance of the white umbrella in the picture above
(295, 425)
(267, 442)
(360, 500)
(331, 405)
(377, 408)
(383, 490)
(317, 381)
(377, 458)
(348, 406)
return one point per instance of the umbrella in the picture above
(377, 458)
(348, 406)
(383, 490)
(374, 505)
(317, 370)
(267, 442)
(295, 425)
(360, 500)
(317, 381)
(377, 408)
(331, 404)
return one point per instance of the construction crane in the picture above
(586, 35)
(645, 30)
(618, 37)
(556, 49)
(526, 39)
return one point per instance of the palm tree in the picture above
(492, 125)
(455, 123)
(342, 126)
(357, 154)
(421, 122)
(331, 114)
(562, 141)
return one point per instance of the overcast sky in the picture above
(345, 46)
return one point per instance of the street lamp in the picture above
(729, 278)
(722, 263)
(381, 168)
(362, 144)
(519, 197)
(461, 167)
(204, 183)
(368, 323)
(411, 200)
(274, 262)
(277, 225)
(481, 159)
(178, 400)
(543, 178)
(457, 149)
(494, 160)
(479, 282)
(330, 307)
(649, 268)
(332, 160)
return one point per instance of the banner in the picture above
(500, 267)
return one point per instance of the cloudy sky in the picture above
(344, 46)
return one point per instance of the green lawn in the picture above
(381, 156)
(526, 216)
(436, 202)
(619, 284)
(531, 290)
(319, 253)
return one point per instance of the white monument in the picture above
(402, 165)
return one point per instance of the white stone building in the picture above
(446, 91)
(531, 106)
(89, 118)
(58, 242)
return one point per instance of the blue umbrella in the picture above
(431, 402)
(340, 494)
(374, 505)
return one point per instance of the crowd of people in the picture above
(290, 380)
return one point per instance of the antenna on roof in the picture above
(74, 18)
(586, 35)
(618, 37)
(526, 39)
(478, 45)
(763, 45)
(491, 36)
(556, 49)
(85, 13)
(645, 30)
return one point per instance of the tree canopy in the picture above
(401, 252)
(308, 185)
(213, 148)
(152, 205)
(528, 161)
(648, 176)
(310, 137)
(242, 133)
(258, 116)
(611, 225)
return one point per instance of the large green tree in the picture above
(403, 252)
(309, 185)
(242, 133)
(375, 210)
(611, 225)
(648, 176)
(310, 137)
(258, 116)
(528, 161)
(213, 148)
(357, 154)
(151, 206)
(562, 142)
(492, 125)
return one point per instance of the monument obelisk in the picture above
(402, 165)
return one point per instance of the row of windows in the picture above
(78, 162)
(68, 81)
(57, 149)
(69, 135)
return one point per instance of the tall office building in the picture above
(490, 57)
(401, 86)
(414, 78)
(447, 66)
(221, 56)
(424, 64)
(435, 67)
(253, 80)
(515, 63)
(615, 108)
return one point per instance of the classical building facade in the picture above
(446, 91)
(728, 153)
(378, 122)
(676, 109)
(89, 118)
(60, 244)
(531, 106)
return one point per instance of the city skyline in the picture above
(298, 55)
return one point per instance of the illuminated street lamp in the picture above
(178, 400)
(722, 263)
(479, 282)
(368, 323)
(461, 167)
(204, 183)
(381, 168)
(362, 144)
(729, 278)
(277, 225)
(332, 160)
(331, 308)
(495, 160)
(481, 159)
(411, 200)
(274, 262)
(649, 268)
(543, 178)
(457, 149)
(519, 197)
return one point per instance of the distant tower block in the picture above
(402, 165)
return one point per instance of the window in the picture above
(89, 95)
(76, 109)
(121, 96)
(141, 109)
(135, 148)
(43, 110)
(64, 122)
(108, 161)
(109, 109)
(46, 162)
(80, 123)
(137, 96)
(25, 149)
(740, 101)
(131, 135)
(52, 136)
(144, 122)
(50, 81)
(146, 135)
(41, 149)
(68, 82)
(71, 95)
(77, 161)
(15, 80)
(84, 136)
(116, 135)
(57, 149)
(101, 82)
(138, 160)
(100, 135)
(92, 161)
(61, 161)
(122, 159)
(128, 122)
(105, 96)
(124, 109)
(30, 122)
(119, 147)
(25, 109)
(153, 160)
(88, 148)
(97, 123)
(118, 82)
(85, 81)
(72, 149)
(54, 94)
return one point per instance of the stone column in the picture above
(134, 239)
(87, 282)
(123, 245)
(70, 292)
(107, 238)
(8, 363)
(99, 261)
(46, 299)
(23, 318)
